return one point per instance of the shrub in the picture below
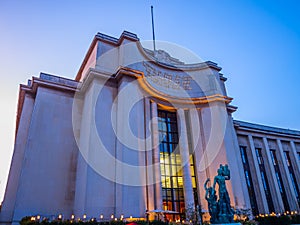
(295, 219)
(158, 222)
(250, 222)
(27, 221)
(273, 220)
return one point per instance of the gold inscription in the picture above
(167, 80)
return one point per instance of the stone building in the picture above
(271, 159)
(136, 132)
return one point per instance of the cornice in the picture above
(145, 86)
(106, 39)
(180, 66)
(231, 108)
(116, 41)
(245, 128)
(32, 87)
(133, 37)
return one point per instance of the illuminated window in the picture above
(170, 162)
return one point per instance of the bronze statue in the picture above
(211, 198)
(219, 210)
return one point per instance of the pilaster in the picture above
(275, 192)
(288, 182)
(295, 161)
(184, 153)
(262, 205)
(156, 159)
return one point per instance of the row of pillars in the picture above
(274, 189)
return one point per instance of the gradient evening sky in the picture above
(257, 43)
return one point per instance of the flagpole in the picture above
(153, 35)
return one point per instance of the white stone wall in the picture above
(9, 201)
(48, 166)
(104, 172)
(215, 143)
(278, 140)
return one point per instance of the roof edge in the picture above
(265, 128)
(108, 39)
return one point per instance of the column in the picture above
(156, 157)
(150, 176)
(289, 186)
(295, 161)
(240, 197)
(278, 203)
(262, 205)
(198, 146)
(185, 163)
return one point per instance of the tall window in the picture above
(170, 163)
(249, 180)
(292, 175)
(193, 175)
(264, 179)
(279, 179)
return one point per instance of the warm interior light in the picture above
(101, 216)
(84, 216)
(180, 182)
(72, 216)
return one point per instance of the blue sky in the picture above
(257, 43)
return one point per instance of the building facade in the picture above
(270, 158)
(136, 132)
